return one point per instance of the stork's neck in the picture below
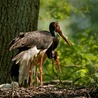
(53, 33)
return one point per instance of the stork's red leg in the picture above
(30, 76)
(36, 76)
(41, 65)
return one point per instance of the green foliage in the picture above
(83, 56)
(62, 9)
(79, 62)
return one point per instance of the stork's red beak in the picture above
(58, 64)
(61, 34)
(64, 38)
(55, 56)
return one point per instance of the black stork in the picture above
(33, 48)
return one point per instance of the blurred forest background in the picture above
(79, 22)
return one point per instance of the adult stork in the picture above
(33, 48)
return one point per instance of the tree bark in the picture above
(15, 16)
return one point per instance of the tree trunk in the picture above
(15, 16)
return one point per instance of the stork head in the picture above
(54, 26)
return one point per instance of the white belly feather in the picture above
(28, 60)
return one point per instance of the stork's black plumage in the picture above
(31, 39)
(34, 47)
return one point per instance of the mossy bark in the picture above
(15, 16)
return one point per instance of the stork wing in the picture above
(40, 39)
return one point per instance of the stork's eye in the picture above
(56, 24)
(57, 27)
